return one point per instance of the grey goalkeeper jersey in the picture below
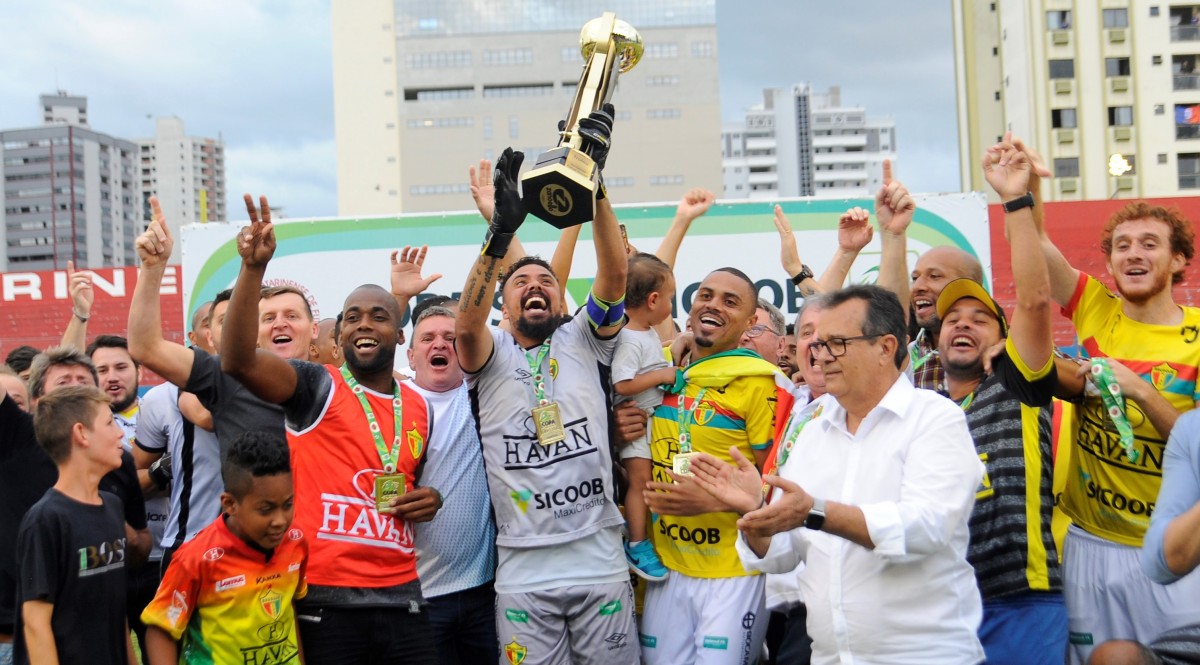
(545, 495)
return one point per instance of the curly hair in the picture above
(1182, 236)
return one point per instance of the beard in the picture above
(1162, 282)
(967, 369)
(126, 402)
(382, 361)
(538, 330)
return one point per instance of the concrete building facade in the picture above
(70, 193)
(1086, 84)
(800, 142)
(187, 174)
(424, 89)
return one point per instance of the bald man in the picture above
(324, 349)
(934, 270)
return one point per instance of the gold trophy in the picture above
(561, 186)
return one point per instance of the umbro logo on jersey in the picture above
(615, 641)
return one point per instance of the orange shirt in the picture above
(334, 464)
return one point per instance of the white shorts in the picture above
(704, 621)
(588, 624)
(1108, 596)
(641, 446)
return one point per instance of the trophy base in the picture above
(561, 187)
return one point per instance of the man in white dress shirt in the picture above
(878, 509)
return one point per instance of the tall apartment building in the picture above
(1086, 84)
(70, 193)
(187, 174)
(423, 90)
(800, 142)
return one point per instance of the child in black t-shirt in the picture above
(71, 544)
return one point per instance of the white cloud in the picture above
(292, 176)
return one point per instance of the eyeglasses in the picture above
(836, 346)
(757, 331)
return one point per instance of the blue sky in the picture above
(259, 75)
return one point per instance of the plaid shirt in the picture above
(925, 363)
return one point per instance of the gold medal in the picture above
(682, 463)
(548, 421)
(388, 486)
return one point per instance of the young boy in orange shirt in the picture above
(227, 594)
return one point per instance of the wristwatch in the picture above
(805, 273)
(1019, 203)
(816, 515)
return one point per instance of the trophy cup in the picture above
(561, 186)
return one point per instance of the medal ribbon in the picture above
(389, 458)
(781, 455)
(535, 370)
(686, 417)
(1114, 402)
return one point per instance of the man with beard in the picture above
(358, 439)
(934, 269)
(709, 609)
(1012, 547)
(119, 377)
(541, 397)
(1150, 343)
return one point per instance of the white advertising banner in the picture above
(330, 257)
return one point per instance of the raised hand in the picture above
(256, 243)
(894, 206)
(82, 294)
(789, 255)
(155, 243)
(406, 272)
(738, 486)
(1006, 170)
(596, 130)
(854, 229)
(694, 204)
(1037, 163)
(482, 189)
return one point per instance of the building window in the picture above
(662, 114)
(662, 81)
(487, 127)
(702, 49)
(429, 123)
(1058, 19)
(1154, 10)
(1066, 167)
(657, 180)
(571, 54)
(624, 181)
(1116, 18)
(438, 59)
(659, 50)
(1189, 170)
(1116, 66)
(537, 90)
(508, 56)
(1062, 69)
(1120, 116)
(514, 126)
(1063, 119)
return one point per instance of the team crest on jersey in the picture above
(704, 413)
(214, 554)
(416, 442)
(553, 368)
(515, 653)
(1162, 376)
(521, 498)
(271, 602)
(295, 534)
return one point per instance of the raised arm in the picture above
(612, 264)
(1063, 276)
(407, 282)
(484, 193)
(894, 208)
(854, 233)
(263, 373)
(564, 256)
(473, 342)
(169, 360)
(82, 297)
(1007, 170)
(789, 257)
(691, 207)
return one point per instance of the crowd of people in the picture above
(872, 484)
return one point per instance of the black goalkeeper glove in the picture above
(510, 212)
